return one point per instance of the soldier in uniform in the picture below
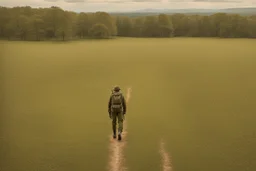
(117, 110)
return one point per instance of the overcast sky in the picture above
(127, 5)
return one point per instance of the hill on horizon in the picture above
(144, 12)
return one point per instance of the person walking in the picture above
(117, 110)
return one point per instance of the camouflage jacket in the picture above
(123, 104)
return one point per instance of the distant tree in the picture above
(220, 25)
(124, 26)
(138, 24)
(37, 24)
(193, 26)
(99, 31)
(83, 25)
(150, 26)
(179, 24)
(107, 20)
(252, 26)
(57, 23)
(165, 26)
(205, 28)
(4, 19)
(23, 27)
(9, 30)
(64, 30)
(73, 24)
(239, 26)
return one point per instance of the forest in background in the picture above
(54, 23)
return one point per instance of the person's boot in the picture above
(119, 136)
(114, 134)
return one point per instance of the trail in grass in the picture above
(166, 161)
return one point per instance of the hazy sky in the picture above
(127, 5)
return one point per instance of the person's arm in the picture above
(124, 105)
(109, 105)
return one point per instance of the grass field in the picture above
(198, 95)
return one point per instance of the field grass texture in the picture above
(192, 104)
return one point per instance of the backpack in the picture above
(117, 102)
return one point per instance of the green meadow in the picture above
(197, 94)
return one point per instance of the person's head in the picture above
(116, 89)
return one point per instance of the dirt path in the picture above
(166, 161)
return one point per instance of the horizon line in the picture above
(137, 10)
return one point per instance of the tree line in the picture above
(54, 23)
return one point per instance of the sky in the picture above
(129, 5)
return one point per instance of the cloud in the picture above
(146, 0)
(51, 0)
(73, 1)
(107, 1)
(219, 1)
(122, 1)
(180, 1)
(68, 1)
